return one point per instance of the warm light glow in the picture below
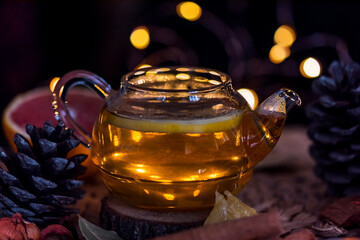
(196, 193)
(214, 73)
(213, 175)
(140, 37)
(278, 54)
(238, 138)
(155, 177)
(182, 69)
(116, 141)
(100, 90)
(143, 66)
(189, 10)
(199, 70)
(193, 134)
(146, 191)
(200, 79)
(141, 81)
(182, 76)
(192, 178)
(139, 73)
(214, 82)
(136, 136)
(250, 96)
(284, 36)
(310, 68)
(169, 196)
(163, 69)
(219, 135)
(152, 134)
(117, 154)
(53, 83)
(140, 170)
(150, 72)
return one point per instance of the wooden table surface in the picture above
(283, 181)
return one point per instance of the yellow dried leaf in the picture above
(228, 208)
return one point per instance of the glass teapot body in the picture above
(171, 137)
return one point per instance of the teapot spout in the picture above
(262, 127)
(281, 102)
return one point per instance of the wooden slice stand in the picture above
(136, 223)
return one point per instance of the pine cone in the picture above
(38, 181)
(335, 128)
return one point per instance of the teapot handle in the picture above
(60, 87)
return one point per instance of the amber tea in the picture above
(175, 163)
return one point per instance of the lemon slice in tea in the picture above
(206, 125)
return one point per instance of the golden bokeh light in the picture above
(278, 54)
(169, 196)
(193, 134)
(151, 72)
(310, 68)
(250, 96)
(136, 136)
(53, 83)
(189, 10)
(143, 66)
(140, 37)
(214, 175)
(284, 36)
(155, 176)
(116, 141)
(196, 193)
(219, 135)
(182, 76)
(214, 82)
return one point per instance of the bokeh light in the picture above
(278, 54)
(189, 10)
(143, 66)
(53, 83)
(182, 76)
(169, 196)
(140, 170)
(140, 37)
(196, 193)
(284, 36)
(136, 136)
(310, 68)
(250, 96)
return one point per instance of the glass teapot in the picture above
(170, 137)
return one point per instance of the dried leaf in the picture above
(287, 215)
(328, 229)
(228, 208)
(295, 218)
(92, 232)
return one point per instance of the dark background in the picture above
(41, 40)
